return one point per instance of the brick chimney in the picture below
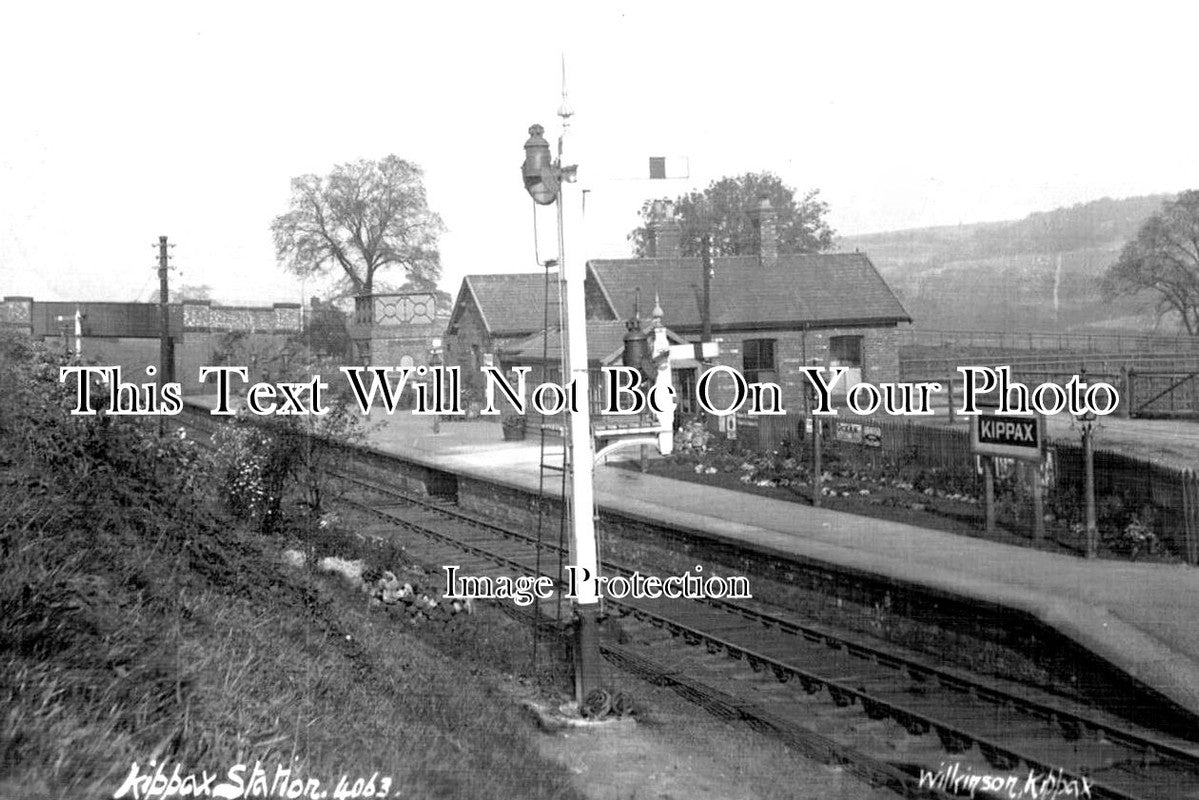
(766, 234)
(665, 232)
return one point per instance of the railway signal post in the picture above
(544, 177)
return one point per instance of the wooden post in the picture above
(1038, 503)
(1129, 399)
(949, 395)
(1088, 449)
(165, 365)
(818, 476)
(989, 492)
(1188, 516)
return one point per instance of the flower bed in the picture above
(940, 499)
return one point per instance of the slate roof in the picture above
(818, 290)
(605, 339)
(511, 305)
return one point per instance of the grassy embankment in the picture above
(139, 622)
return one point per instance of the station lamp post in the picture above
(544, 177)
(817, 446)
(1086, 422)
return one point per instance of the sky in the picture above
(127, 121)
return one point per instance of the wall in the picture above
(880, 359)
(395, 330)
(125, 334)
(470, 333)
(204, 324)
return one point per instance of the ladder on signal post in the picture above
(554, 458)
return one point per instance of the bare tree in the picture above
(360, 219)
(1164, 259)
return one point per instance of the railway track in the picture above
(891, 719)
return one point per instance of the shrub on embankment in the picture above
(139, 623)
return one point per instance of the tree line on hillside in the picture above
(1077, 227)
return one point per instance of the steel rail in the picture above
(954, 739)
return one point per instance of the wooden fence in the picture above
(1170, 390)
(1048, 340)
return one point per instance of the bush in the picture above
(259, 459)
(1126, 526)
(514, 426)
(692, 438)
(250, 467)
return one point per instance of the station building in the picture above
(494, 316)
(542, 353)
(770, 312)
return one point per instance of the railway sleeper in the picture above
(1066, 735)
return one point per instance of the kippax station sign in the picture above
(1007, 435)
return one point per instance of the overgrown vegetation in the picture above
(138, 622)
(256, 464)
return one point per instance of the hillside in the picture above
(1038, 273)
(142, 621)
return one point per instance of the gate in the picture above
(1162, 393)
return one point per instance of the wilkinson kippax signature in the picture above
(963, 780)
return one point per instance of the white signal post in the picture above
(582, 473)
(544, 179)
(582, 476)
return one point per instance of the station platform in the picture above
(1139, 617)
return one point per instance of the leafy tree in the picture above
(325, 331)
(1164, 259)
(361, 218)
(723, 210)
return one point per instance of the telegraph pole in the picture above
(709, 270)
(165, 365)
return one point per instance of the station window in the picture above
(846, 351)
(757, 360)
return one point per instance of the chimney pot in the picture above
(665, 231)
(765, 221)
